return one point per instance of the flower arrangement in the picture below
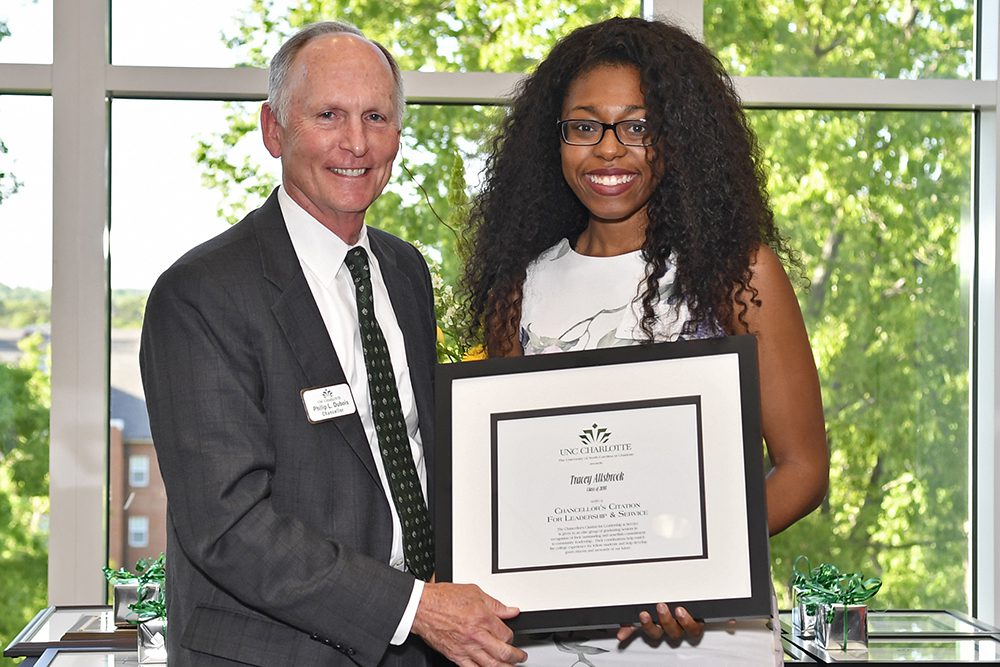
(143, 593)
(452, 317)
(149, 578)
(829, 594)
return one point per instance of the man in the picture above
(291, 539)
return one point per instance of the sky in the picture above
(159, 208)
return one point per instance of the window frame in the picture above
(138, 471)
(81, 82)
(133, 529)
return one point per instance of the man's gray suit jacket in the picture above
(279, 530)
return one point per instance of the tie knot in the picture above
(357, 264)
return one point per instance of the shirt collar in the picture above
(318, 248)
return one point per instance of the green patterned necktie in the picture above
(390, 426)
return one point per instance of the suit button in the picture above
(338, 646)
(350, 651)
(314, 636)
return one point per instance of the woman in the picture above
(624, 204)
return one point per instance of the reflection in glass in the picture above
(25, 284)
(877, 204)
(912, 40)
(922, 623)
(963, 651)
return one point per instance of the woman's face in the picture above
(612, 180)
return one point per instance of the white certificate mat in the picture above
(584, 487)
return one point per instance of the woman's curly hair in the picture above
(710, 209)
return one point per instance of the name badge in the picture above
(325, 403)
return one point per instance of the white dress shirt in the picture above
(321, 254)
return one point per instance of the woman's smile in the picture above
(611, 182)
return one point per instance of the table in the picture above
(45, 632)
(894, 636)
(79, 657)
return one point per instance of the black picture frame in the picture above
(718, 377)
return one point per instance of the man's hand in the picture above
(672, 626)
(466, 625)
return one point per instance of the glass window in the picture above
(26, 198)
(153, 222)
(138, 531)
(878, 206)
(925, 39)
(138, 470)
(26, 31)
(25, 284)
(472, 37)
(139, 39)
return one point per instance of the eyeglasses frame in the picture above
(561, 124)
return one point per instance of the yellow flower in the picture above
(440, 336)
(474, 353)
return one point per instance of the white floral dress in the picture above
(576, 302)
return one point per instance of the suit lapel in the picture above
(300, 321)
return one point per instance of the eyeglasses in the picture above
(579, 132)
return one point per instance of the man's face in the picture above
(340, 134)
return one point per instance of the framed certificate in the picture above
(584, 487)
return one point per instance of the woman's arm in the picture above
(791, 406)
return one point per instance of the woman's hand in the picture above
(675, 627)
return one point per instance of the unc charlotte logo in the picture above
(327, 394)
(594, 435)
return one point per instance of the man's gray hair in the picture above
(277, 78)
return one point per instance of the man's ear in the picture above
(271, 130)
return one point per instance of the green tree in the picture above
(23, 307)
(875, 202)
(24, 452)
(24, 488)
(127, 308)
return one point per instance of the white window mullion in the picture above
(79, 420)
(21, 79)
(986, 502)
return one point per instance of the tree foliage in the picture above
(23, 307)
(24, 453)
(8, 181)
(875, 202)
(24, 489)
(127, 308)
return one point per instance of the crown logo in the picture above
(594, 435)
